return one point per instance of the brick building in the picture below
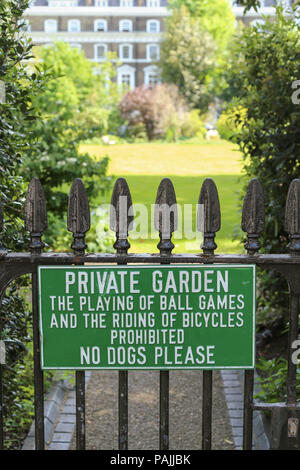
(133, 29)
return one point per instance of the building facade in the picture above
(132, 29)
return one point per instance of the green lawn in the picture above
(187, 165)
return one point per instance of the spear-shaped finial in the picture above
(165, 215)
(35, 215)
(121, 216)
(78, 216)
(253, 217)
(292, 217)
(211, 213)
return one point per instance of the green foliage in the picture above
(192, 125)
(226, 125)
(74, 105)
(187, 57)
(79, 89)
(248, 4)
(19, 405)
(16, 116)
(99, 238)
(214, 16)
(136, 133)
(41, 125)
(195, 4)
(146, 118)
(265, 65)
(273, 380)
(194, 53)
(184, 125)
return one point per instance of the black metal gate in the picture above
(12, 265)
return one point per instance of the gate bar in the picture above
(78, 223)
(36, 224)
(164, 410)
(1, 409)
(28, 262)
(248, 410)
(165, 222)
(121, 223)
(2, 249)
(207, 409)
(293, 336)
(123, 410)
(38, 373)
(208, 222)
(80, 409)
(253, 223)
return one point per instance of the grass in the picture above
(205, 158)
(187, 165)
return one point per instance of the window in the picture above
(153, 3)
(126, 76)
(50, 26)
(125, 79)
(101, 3)
(151, 76)
(125, 52)
(153, 80)
(126, 3)
(100, 25)
(125, 26)
(74, 26)
(153, 26)
(153, 52)
(63, 3)
(100, 51)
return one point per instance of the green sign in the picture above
(147, 317)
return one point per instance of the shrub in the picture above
(273, 380)
(17, 114)
(192, 125)
(194, 50)
(73, 107)
(98, 238)
(143, 107)
(227, 125)
(265, 65)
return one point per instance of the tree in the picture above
(214, 16)
(16, 116)
(264, 68)
(74, 105)
(78, 84)
(194, 51)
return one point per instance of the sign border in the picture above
(145, 266)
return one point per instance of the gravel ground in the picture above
(185, 411)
